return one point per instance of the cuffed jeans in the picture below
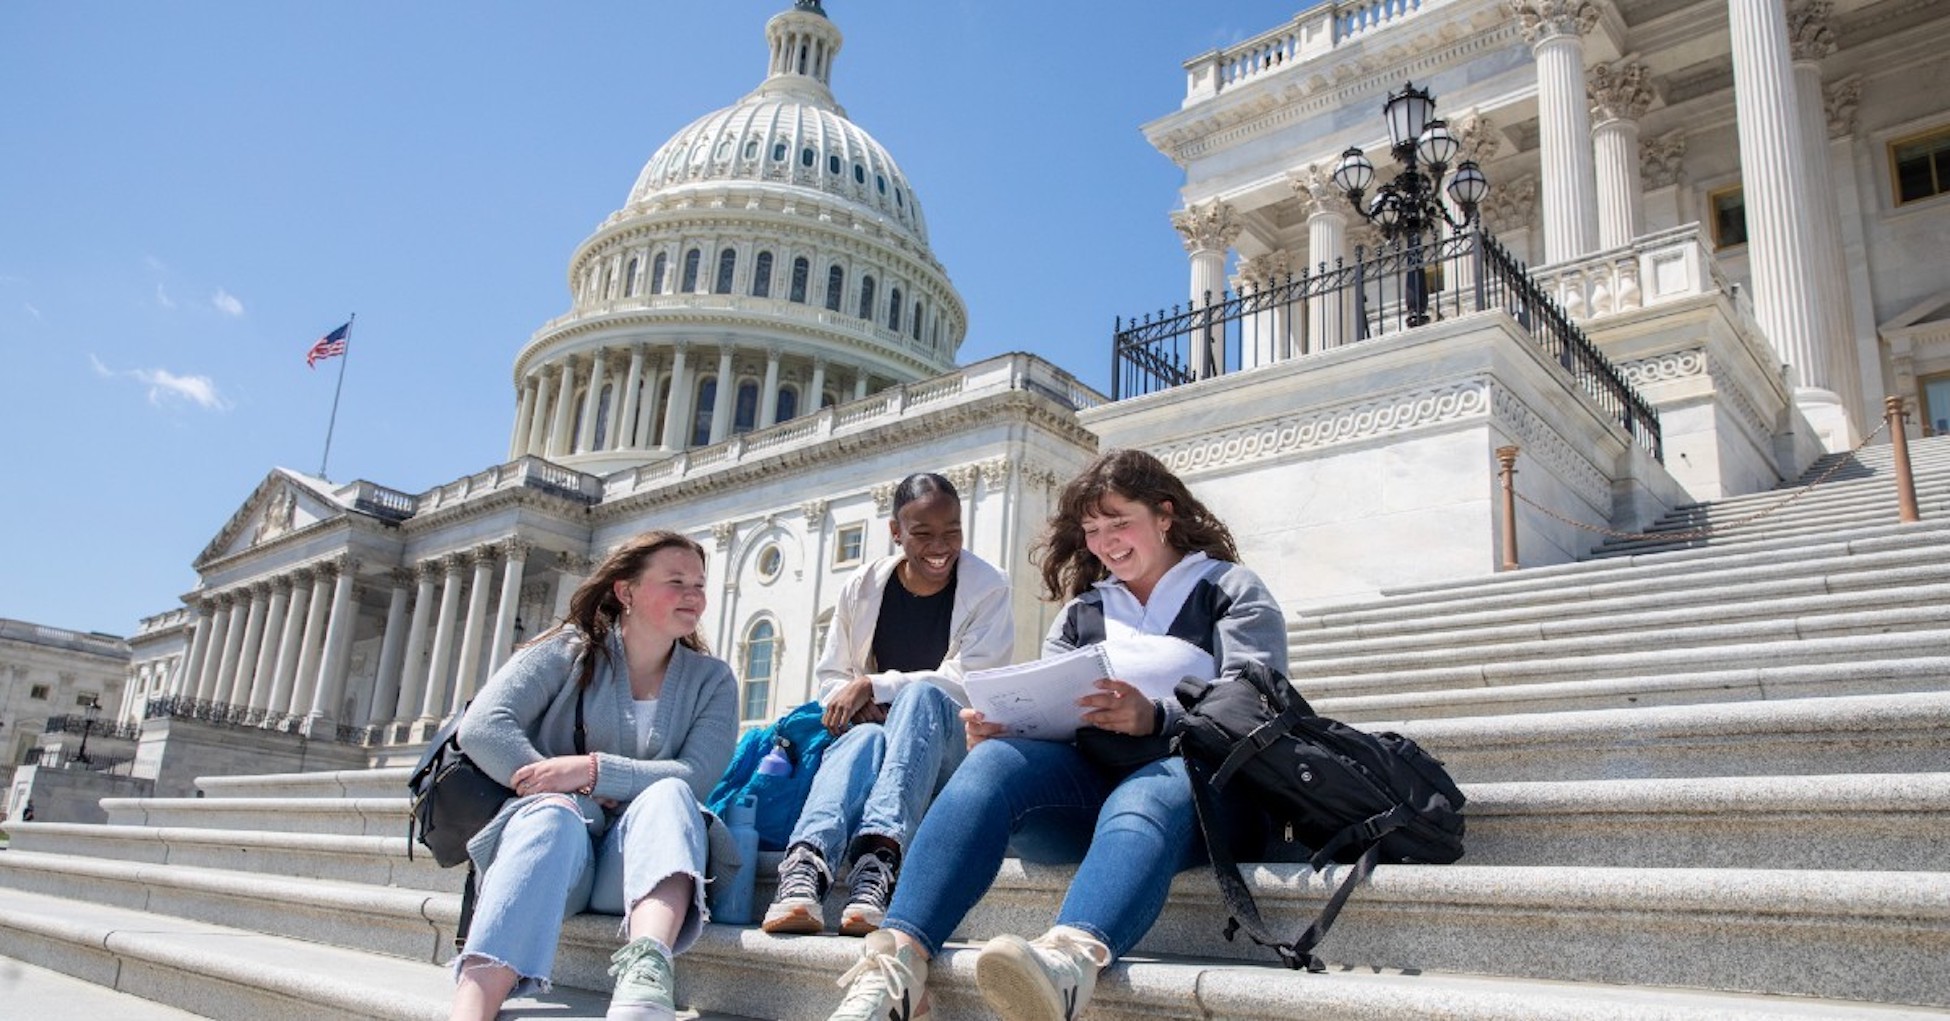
(547, 868)
(878, 778)
(1131, 835)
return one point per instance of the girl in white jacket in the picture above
(905, 631)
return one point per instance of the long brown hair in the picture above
(594, 608)
(1069, 568)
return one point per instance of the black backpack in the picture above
(1332, 794)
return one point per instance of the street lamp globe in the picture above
(1408, 113)
(1469, 187)
(1437, 146)
(1353, 173)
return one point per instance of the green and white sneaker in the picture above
(645, 987)
(888, 983)
(1047, 979)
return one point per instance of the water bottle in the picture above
(731, 897)
(776, 762)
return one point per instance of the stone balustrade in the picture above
(1310, 35)
(872, 332)
(1654, 269)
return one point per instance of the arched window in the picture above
(835, 286)
(724, 149)
(762, 275)
(917, 320)
(744, 412)
(751, 148)
(707, 399)
(833, 163)
(859, 174)
(761, 666)
(657, 267)
(788, 404)
(629, 278)
(806, 156)
(727, 263)
(691, 259)
(894, 309)
(866, 297)
(801, 269)
(778, 151)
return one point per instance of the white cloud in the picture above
(32, 311)
(165, 388)
(154, 264)
(163, 298)
(227, 303)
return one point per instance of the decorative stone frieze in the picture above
(1512, 206)
(1542, 444)
(1317, 192)
(1212, 227)
(1662, 161)
(1318, 429)
(883, 497)
(962, 477)
(1621, 91)
(995, 470)
(1481, 139)
(573, 563)
(1541, 19)
(1266, 269)
(721, 534)
(1666, 367)
(815, 511)
(515, 549)
(1811, 35)
(1841, 102)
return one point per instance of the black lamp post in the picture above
(89, 714)
(1410, 206)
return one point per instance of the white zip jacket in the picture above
(981, 631)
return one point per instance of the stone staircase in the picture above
(1707, 779)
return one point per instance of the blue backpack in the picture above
(803, 738)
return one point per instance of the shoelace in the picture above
(800, 878)
(873, 879)
(1070, 949)
(631, 956)
(893, 975)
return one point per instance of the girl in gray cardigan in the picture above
(609, 823)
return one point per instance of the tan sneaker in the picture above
(1047, 979)
(872, 886)
(888, 983)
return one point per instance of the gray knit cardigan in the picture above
(527, 712)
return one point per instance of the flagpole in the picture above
(334, 420)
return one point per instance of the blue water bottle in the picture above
(777, 762)
(731, 898)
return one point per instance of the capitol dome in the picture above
(772, 244)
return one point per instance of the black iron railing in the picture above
(49, 758)
(1399, 286)
(180, 708)
(72, 724)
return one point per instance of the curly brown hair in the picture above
(1069, 568)
(594, 608)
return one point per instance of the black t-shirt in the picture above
(911, 632)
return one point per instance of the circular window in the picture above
(770, 562)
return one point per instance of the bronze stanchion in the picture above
(1892, 409)
(1506, 459)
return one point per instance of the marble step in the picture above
(1687, 687)
(234, 973)
(1924, 540)
(373, 861)
(365, 816)
(1736, 930)
(1662, 614)
(32, 991)
(1812, 528)
(1758, 644)
(1867, 501)
(1899, 733)
(336, 783)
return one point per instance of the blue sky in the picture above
(194, 192)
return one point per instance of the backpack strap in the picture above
(1261, 738)
(467, 898)
(1238, 897)
(582, 745)
(1366, 833)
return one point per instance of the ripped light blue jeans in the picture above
(547, 868)
(878, 778)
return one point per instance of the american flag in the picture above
(329, 346)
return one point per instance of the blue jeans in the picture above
(547, 868)
(878, 778)
(1130, 834)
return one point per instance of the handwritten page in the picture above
(1038, 699)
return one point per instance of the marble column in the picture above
(1208, 232)
(1555, 31)
(515, 554)
(264, 675)
(473, 633)
(199, 651)
(1620, 94)
(587, 437)
(524, 406)
(252, 646)
(649, 407)
(572, 571)
(1329, 313)
(312, 645)
(413, 666)
(330, 690)
(623, 418)
(1780, 235)
(1811, 38)
(291, 643)
(233, 644)
(676, 436)
(768, 398)
(816, 395)
(560, 438)
(435, 701)
(859, 384)
(721, 404)
(392, 646)
(538, 426)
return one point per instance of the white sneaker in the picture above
(803, 878)
(1048, 979)
(872, 886)
(888, 983)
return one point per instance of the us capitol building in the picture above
(1738, 202)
